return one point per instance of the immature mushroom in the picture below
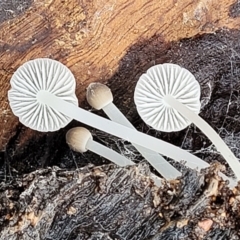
(99, 96)
(80, 139)
(167, 98)
(32, 84)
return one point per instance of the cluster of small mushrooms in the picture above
(167, 98)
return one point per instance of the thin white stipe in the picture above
(123, 132)
(53, 109)
(156, 160)
(99, 96)
(209, 132)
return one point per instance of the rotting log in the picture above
(108, 202)
(92, 37)
(115, 42)
(116, 48)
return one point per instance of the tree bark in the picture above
(109, 202)
(92, 37)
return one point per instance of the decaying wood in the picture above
(109, 202)
(115, 42)
(91, 37)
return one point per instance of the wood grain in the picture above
(91, 37)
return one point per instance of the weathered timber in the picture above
(115, 42)
(108, 202)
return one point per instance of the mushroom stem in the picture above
(115, 157)
(99, 96)
(118, 130)
(208, 131)
(121, 131)
(156, 160)
(108, 153)
(80, 139)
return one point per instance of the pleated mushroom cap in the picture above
(34, 76)
(162, 80)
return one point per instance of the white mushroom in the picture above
(36, 76)
(80, 139)
(167, 98)
(99, 96)
(31, 88)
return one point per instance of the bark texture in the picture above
(108, 202)
(114, 42)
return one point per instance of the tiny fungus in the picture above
(41, 76)
(80, 140)
(99, 96)
(42, 96)
(167, 97)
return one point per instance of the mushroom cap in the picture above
(77, 139)
(32, 77)
(162, 80)
(98, 95)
